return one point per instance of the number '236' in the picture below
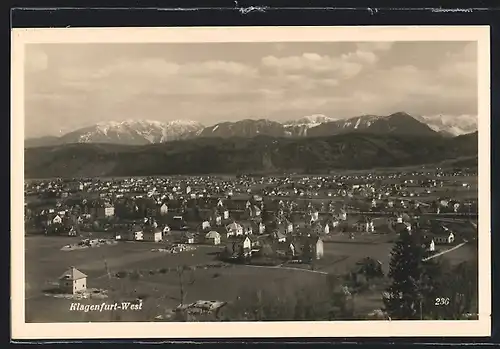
(442, 301)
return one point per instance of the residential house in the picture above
(247, 228)
(73, 281)
(314, 216)
(57, 220)
(234, 229)
(178, 223)
(213, 238)
(166, 229)
(262, 228)
(205, 225)
(237, 246)
(257, 211)
(103, 209)
(401, 227)
(342, 215)
(306, 247)
(432, 246)
(279, 235)
(189, 238)
(152, 234)
(365, 225)
(326, 230)
(72, 231)
(163, 209)
(134, 234)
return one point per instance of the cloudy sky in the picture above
(68, 86)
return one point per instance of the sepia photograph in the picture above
(252, 182)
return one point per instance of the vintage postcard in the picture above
(250, 182)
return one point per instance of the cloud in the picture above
(365, 78)
(461, 64)
(362, 57)
(161, 68)
(344, 67)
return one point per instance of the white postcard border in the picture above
(22, 330)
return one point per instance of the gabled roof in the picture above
(233, 226)
(72, 274)
(212, 235)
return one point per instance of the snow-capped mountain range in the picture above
(133, 132)
(451, 124)
(139, 132)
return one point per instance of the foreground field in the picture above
(158, 283)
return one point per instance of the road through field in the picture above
(444, 252)
(287, 268)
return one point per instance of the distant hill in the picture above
(42, 141)
(239, 154)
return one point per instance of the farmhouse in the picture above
(73, 281)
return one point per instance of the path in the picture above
(443, 252)
(288, 268)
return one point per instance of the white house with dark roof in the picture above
(73, 281)
(234, 229)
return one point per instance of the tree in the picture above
(370, 268)
(455, 289)
(405, 296)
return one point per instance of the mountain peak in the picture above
(314, 119)
(400, 114)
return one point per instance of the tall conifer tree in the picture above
(404, 298)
